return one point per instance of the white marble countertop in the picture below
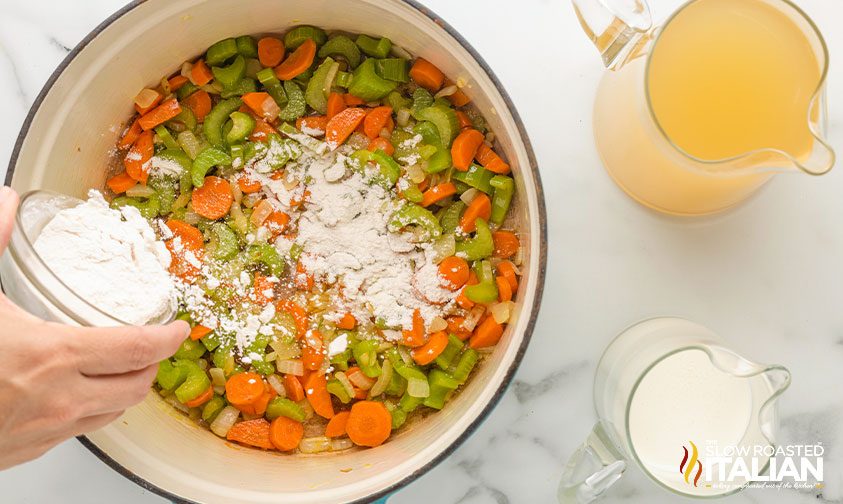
(768, 276)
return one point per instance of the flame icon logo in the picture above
(689, 461)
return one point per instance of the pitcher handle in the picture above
(592, 469)
(617, 28)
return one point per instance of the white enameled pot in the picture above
(64, 147)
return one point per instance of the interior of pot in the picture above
(67, 150)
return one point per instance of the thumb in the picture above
(8, 207)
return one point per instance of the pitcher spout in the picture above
(619, 29)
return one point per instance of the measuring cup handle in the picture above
(592, 469)
(618, 28)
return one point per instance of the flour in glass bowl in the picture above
(110, 258)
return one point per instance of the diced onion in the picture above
(361, 381)
(473, 317)
(271, 356)
(308, 409)
(276, 384)
(203, 364)
(518, 259)
(290, 366)
(490, 138)
(239, 218)
(416, 173)
(217, 377)
(383, 380)
(250, 200)
(140, 191)
(219, 390)
(405, 355)
(195, 414)
(224, 421)
(237, 193)
(345, 382)
(385, 133)
(403, 117)
(315, 444)
(172, 401)
(260, 213)
(446, 91)
(400, 52)
(340, 444)
(212, 87)
(186, 69)
(444, 246)
(192, 217)
(437, 324)
(468, 196)
(417, 387)
(181, 201)
(289, 183)
(502, 311)
(146, 98)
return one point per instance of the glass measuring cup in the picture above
(652, 140)
(668, 395)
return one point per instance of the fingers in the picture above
(92, 423)
(118, 350)
(113, 393)
(8, 206)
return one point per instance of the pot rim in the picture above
(542, 257)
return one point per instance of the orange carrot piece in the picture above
(376, 120)
(262, 104)
(263, 289)
(504, 289)
(259, 406)
(381, 143)
(454, 272)
(285, 433)
(247, 185)
(369, 423)
(462, 300)
(352, 101)
(190, 241)
(177, 81)
(213, 199)
(479, 208)
(455, 326)
(490, 160)
(121, 183)
(270, 51)
(426, 75)
(293, 387)
(160, 114)
(464, 120)
(336, 104)
(152, 104)
(506, 244)
(438, 193)
(276, 223)
(317, 123)
(428, 352)
(487, 334)
(131, 135)
(342, 125)
(199, 331)
(318, 395)
(312, 354)
(262, 131)
(251, 432)
(459, 98)
(199, 102)
(200, 74)
(465, 148)
(303, 280)
(299, 315)
(138, 156)
(297, 62)
(244, 389)
(201, 398)
(347, 322)
(507, 270)
(336, 426)
(414, 337)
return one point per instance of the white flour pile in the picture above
(111, 258)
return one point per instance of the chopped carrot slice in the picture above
(263, 289)
(318, 395)
(369, 423)
(160, 114)
(186, 251)
(438, 193)
(490, 160)
(487, 334)
(504, 289)
(303, 279)
(315, 125)
(136, 160)
(414, 337)
(176, 82)
(342, 125)
(293, 388)
(299, 315)
(464, 120)
(506, 244)
(336, 426)
(465, 148)
(199, 331)
(479, 208)
(347, 322)
(507, 270)
(376, 121)
(251, 432)
(276, 223)
(296, 63)
(455, 326)
(121, 183)
(200, 74)
(270, 51)
(262, 131)
(199, 102)
(213, 200)
(462, 300)
(244, 389)
(202, 398)
(285, 433)
(426, 75)
(247, 185)
(336, 104)
(352, 101)
(131, 135)
(454, 272)
(428, 352)
(157, 97)
(383, 144)
(262, 104)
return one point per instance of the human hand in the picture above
(60, 381)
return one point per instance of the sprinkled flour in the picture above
(111, 258)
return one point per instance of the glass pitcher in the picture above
(696, 115)
(669, 397)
